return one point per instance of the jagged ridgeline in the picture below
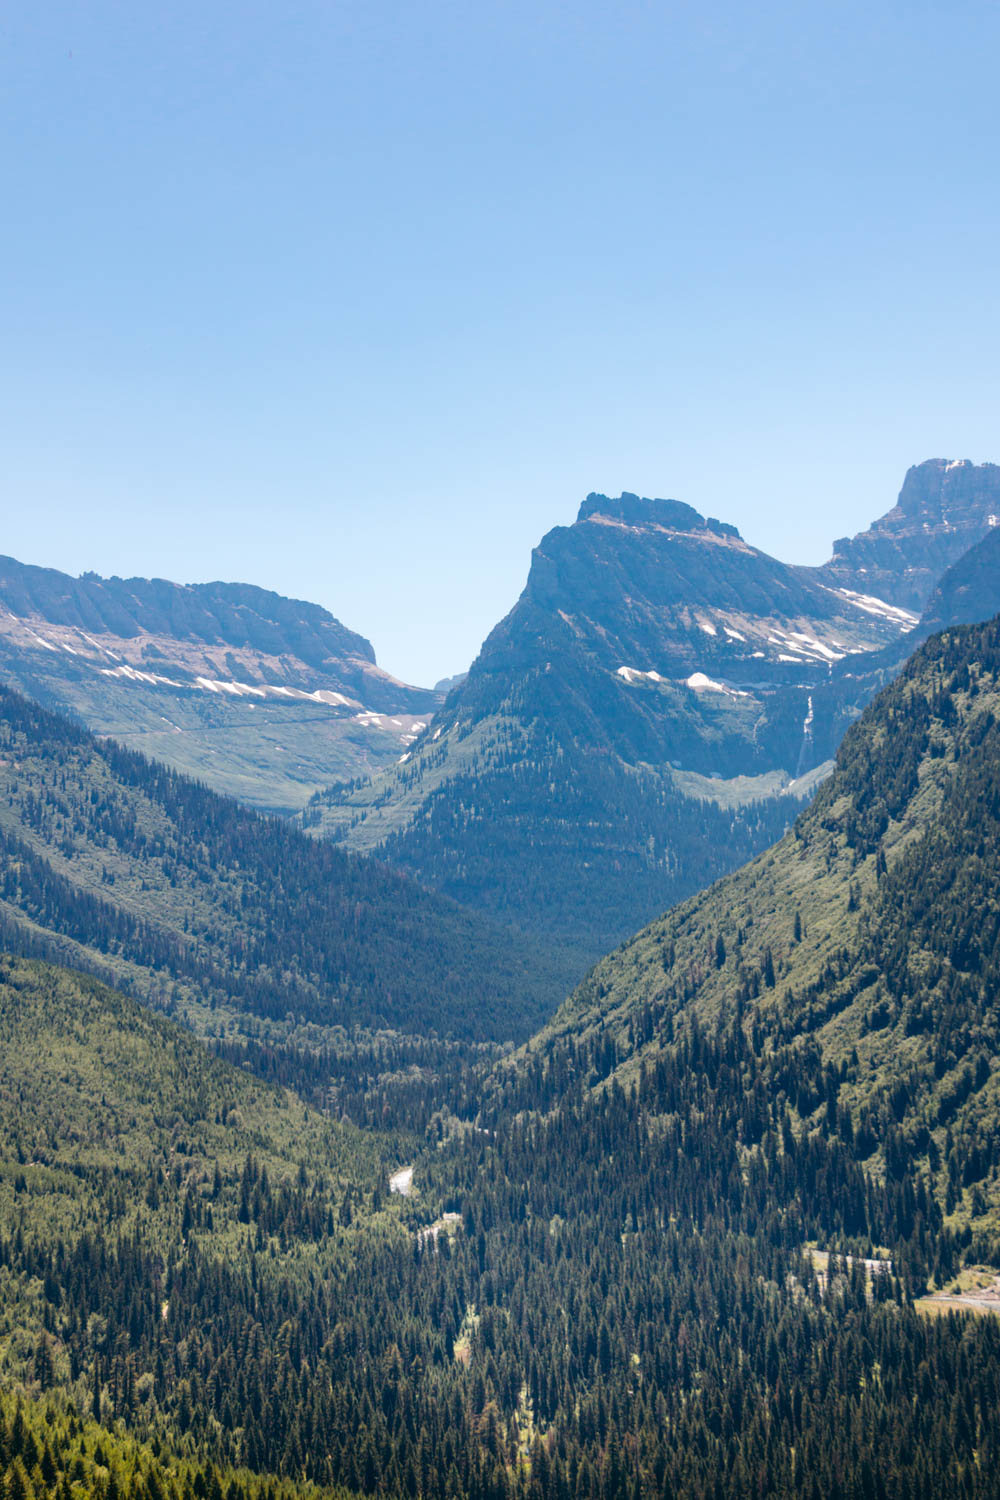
(657, 705)
(649, 715)
(861, 956)
(117, 865)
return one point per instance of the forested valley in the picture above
(686, 1241)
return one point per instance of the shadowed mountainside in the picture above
(111, 863)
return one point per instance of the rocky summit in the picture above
(651, 710)
(945, 507)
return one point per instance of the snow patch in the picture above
(633, 674)
(132, 675)
(233, 689)
(96, 644)
(873, 606)
(700, 683)
(734, 635)
(329, 697)
(707, 627)
(816, 645)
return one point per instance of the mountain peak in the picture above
(946, 494)
(931, 488)
(945, 507)
(639, 510)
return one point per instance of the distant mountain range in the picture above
(657, 702)
(650, 714)
(264, 697)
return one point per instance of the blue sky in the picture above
(356, 301)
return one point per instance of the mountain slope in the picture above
(944, 508)
(115, 864)
(627, 613)
(862, 953)
(605, 1293)
(262, 697)
(92, 1083)
(969, 590)
(46, 1449)
(639, 723)
(158, 1203)
(655, 705)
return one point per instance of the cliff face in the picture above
(641, 721)
(661, 636)
(264, 697)
(944, 508)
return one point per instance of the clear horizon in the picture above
(357, 303)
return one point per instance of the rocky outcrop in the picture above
(627, 614)
(945, 507)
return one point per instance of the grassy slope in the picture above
(270, 755)
(92, 1084)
